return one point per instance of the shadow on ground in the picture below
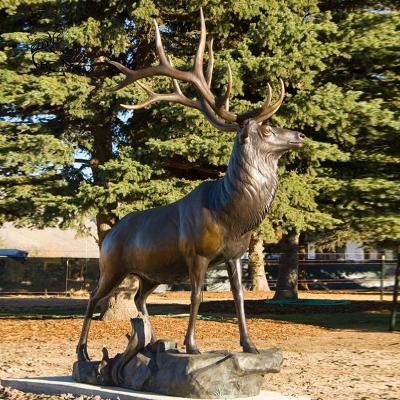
(356, 315)
(35, 307)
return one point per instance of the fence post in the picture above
(66, 277)
(392, 326)
(382, 275)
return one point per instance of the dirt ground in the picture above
(258, 295)
(344, 356)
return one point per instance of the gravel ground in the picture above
(343, 364)
(11, 394)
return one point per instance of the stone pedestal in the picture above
(161, 368)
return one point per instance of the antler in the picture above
(216, 109)
(210, 65)
(176, 97)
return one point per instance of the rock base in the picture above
(160, 368)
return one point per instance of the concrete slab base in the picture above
(64, 384)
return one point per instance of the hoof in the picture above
(82, 353)
(191, 347)
(193, 351)
(250, 348)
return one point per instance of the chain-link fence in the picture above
(67, 275)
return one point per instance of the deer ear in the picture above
(244, 132)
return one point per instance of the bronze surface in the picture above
(210, 225)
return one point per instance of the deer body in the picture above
(210, 225)
(156, 243)
(213, 221)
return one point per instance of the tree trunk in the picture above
(287, 283)
(121, 304)
(303, 285)
(256, 263)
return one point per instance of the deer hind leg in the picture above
(235, 278)
(197, 271)
(146, 287)
(107, 283)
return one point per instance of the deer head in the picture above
(249, 125)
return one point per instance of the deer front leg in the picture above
(235, 278)
(197, 271)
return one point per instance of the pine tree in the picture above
(64, 156)
(68, 151)
(363, 190)
(100, 160)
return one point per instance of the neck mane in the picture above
(244, 195)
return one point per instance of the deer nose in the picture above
(302, 136)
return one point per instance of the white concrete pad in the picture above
(65, 384)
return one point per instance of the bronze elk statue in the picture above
(213, 223)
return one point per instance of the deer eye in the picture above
(266, 130)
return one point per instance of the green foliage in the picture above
(364, 194)
(30, 166)
(68, 150)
